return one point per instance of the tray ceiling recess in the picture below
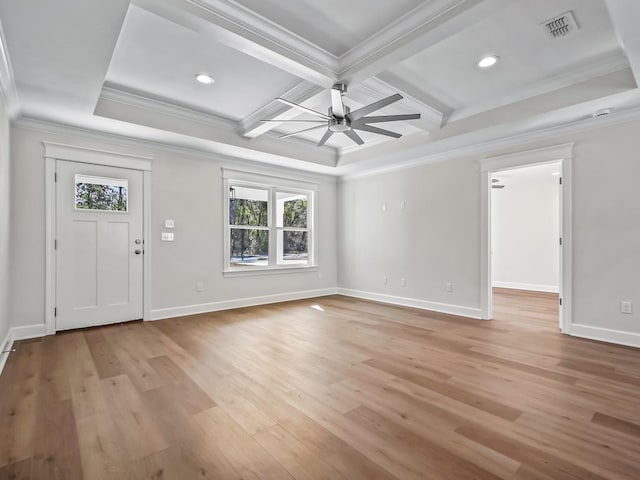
(426, 79)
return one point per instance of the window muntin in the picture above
(99, 193)
(268, 227)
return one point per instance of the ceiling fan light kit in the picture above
(340, 118)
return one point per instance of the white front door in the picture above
(99, 245)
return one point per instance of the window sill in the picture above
(244, 272)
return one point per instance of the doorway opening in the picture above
(562, 154)
(525, 219)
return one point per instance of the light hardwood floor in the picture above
(331, 388)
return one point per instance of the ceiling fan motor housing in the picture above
(339, 124)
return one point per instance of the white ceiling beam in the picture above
(243, 30)
(624, 15)
(420, 29)
(253, 126)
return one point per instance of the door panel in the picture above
(84, 264)
(98, 262)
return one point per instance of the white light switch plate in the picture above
(169, 224)
(167, 236)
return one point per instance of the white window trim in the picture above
(272, 185)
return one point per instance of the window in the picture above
(97, 193)
(269, 223)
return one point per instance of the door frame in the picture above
(557, 153)
(57, 151)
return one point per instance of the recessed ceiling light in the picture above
(205, 79)
(488, 61)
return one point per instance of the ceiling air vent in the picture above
(561, 26)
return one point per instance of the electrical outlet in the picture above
(626, 307)
(449, 287)
(199, 287)
(169, 224)
(167, 236)
(403, 282)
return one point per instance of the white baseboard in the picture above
(19, 333)
(161, 313)
(414, 302)
(527, 286)
(619, 337)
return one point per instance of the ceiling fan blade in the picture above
(389, 118)
(372, 129)
(361, 112)
(354, 136)
(300, 107)
(297, 121)
(302, 131)
(325, 137)
(337, 107)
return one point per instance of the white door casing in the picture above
(564, 154)
(98, 252)
(138, 302)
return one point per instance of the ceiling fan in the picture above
(341, 119)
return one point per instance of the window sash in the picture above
(276, 247)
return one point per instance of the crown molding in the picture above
(180, 112)
(476, 147)
(122, 95)
(156, 147)
(602, 65)
(8, 90)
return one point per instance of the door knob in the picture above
(138, 252)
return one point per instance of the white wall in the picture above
(437, 238)
(432, 242)
(5, 213)
(525, 229)
(187, 189)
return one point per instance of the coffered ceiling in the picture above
(128, 68)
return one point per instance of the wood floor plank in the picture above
(17, 471)
(104, 359)
(326, 388)
(52, 457)
(141, 433)
(299, 461)
(246, 456)
(18, 405)
(102, 449)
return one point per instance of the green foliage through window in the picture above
(295, 213)
(92, 196)
(252, 213)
